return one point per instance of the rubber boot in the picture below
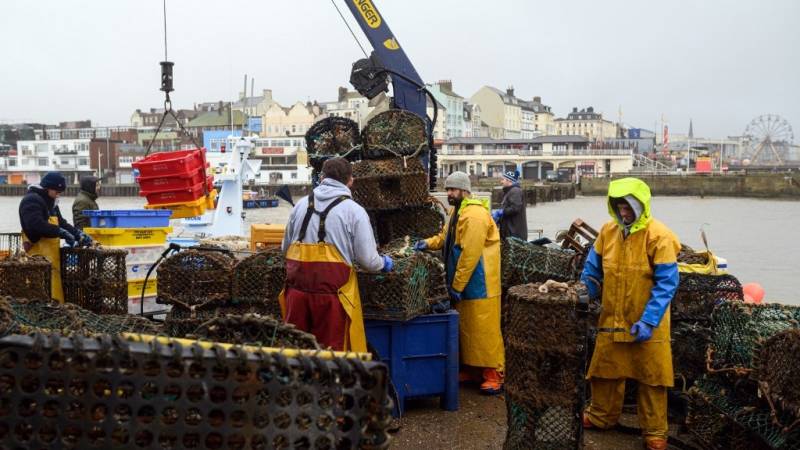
(492, 382)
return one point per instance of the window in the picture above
(12, 162)
(83, 161)
(294, 175)
(64, 161)
(42, 162)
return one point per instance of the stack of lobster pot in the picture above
(390, 181)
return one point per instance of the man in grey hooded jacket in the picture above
(347, 226)
(321, 293)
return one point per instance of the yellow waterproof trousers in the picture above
(651, 403)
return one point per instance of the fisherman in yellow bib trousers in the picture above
(470, 242)
(43, 227)
(635, 260)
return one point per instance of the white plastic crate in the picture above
(134, 305)
(137, 271)
(143, 254)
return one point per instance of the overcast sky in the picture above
(719, 62)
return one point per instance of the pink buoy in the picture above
(753, 293)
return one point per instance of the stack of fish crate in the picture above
(143, 234)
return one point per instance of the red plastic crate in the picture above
(171, 163)
(210, 182)
(175, 196)
(163, 183)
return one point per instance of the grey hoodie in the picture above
(347, 226)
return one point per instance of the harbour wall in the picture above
(776, 185)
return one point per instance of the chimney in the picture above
(574, 109)
(510, 91)
(267, 94)
(537, 99)
(219, 108)
(590, 109)
(447, 84)
(342, 93)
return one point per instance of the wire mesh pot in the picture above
(95, 279)
(195, 279)
(417, 222)
(259, 279)
(332, 136)
(389, 183)
(523, 262)
(545, 343)
(25, 276)
(395, 132)
(401, 294)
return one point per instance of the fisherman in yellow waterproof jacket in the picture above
(635, 261)
(471, 243)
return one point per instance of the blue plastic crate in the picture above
(128, 218)
(422, 355)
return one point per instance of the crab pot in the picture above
(332, 136)
(95, 279)
(738, 329)
(258, 279)
(47, 316)
(777, 368)
(698, 294)
(401, 294)
(389, 183)
(414, 221)
(195, 278)
(108, 393)
(254, 329)
(545, 344)
(523, 262)
(689, 343)
(394, 132)
(181, 322)
(25, 276)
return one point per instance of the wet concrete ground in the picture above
(480, 423)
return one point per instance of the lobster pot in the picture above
(26, 316)
(25, 277)
(728, 416)
(259, 279)
(401, 294)
(545, 344)
(710, 428)
(777, 369)
(395, 132)
(416, 222)
(737, 330)
(95, 279)
(691, 310)
(523, 262)
(253, 329)
(689, 343)
(198, 279)
(184, 323)
(332, 136)
(698, 294)
(108, 393)
(389, 183)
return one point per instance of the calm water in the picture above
(757, 237)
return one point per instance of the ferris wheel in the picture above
(770, 137)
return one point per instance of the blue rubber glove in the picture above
(455, 296)
(388, 264)
(420, 246)
(84, 240)
(67, 237)
(441, 307)
(642, 331)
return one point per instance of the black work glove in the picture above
(66, 236)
